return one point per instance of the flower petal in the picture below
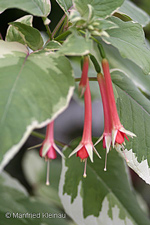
(89, 149)
(114, 134)
(96, 152)
(99, 140)
(108, 142)
(51, 154)
(120, 137)
(45, 149)
(129, 133)
(82, 153)
(76, 150)
(58, 150)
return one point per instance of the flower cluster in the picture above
(114, 132)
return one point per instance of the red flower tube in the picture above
(114, 132)
(118, 131)
(82, 84)
(85, 148)
(107, 117)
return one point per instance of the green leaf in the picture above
(134, 110)
(106, 25)
(35, 7)
(133, 106)
(129, 39)
(129, 68)
(76, 45)
(35, 170)
(13, 34)
(101, 8)
(65, 5)
(103, 195)
(36, 88)
(52, 45)
(94, 25)
(135, 13)
(30, 35)
(19, 207)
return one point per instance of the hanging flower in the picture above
(114, 132)
(49, 148)
(85, 148)
(118, 131)
(106, 137)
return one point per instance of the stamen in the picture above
(105, 169)
(84, 174)
(47, 174)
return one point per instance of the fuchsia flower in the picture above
(85, 148)
(118, 131)
(83, 81)
(49, 148)
(107, 123)
(114, 132)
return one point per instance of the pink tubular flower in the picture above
(118, 131)
(114, 132)
(107, 119)
(85, 148)
(48, 149)
(82, 84)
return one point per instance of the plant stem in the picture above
(42, 136)
(47, 28)
(63, 35)
(38, 135)
(100, 47)
(90, 79)
(48, 31)
(58, 25)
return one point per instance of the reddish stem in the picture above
(87, 131)
(106, 108)
(110, 93)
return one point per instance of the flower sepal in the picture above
(119, 134)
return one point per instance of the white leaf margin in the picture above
(12, 48)
(47, 7)
(143, 18)
(75, 210)
(141, 168)
(34, 125)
